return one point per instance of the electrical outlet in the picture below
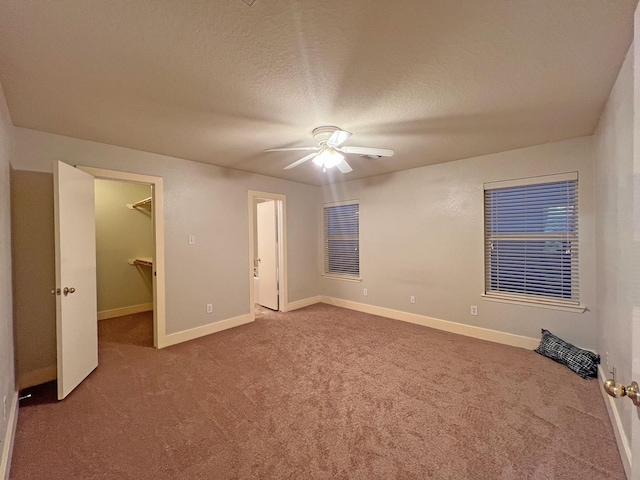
(364, 292)
(412, 299)
(474, 310)
(209, 308)
(192, 239)
(606, 356)
(4, 408)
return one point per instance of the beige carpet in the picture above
(320, 393)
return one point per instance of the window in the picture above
(531, 239)
(341, 239)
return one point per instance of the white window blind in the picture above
(341, 239)
(531, 239)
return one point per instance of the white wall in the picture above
(614, 232)
(122, 233)
(202, 200)
(421, 233)
(7, 381)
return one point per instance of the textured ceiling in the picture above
(219, 81)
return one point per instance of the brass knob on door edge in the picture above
(68, 290)
(633, 392)
(617, 390)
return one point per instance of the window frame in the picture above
(571, 236)
(326, 238)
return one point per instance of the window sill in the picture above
(535, 303)
(340, 277)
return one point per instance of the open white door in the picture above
(76, 303)
(267, 255)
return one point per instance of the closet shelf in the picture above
(142, 261)
(141, 203)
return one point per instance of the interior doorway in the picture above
(265, 270)
(153, 262)
(124, 261)
(267, 252)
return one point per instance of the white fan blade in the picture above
(344, 167)
(315, 149)
(377, 152)
(338, 137)
(302, 160)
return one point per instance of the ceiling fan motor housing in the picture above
(322, 134)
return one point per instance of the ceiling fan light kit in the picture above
(328, 158)
(329, 153)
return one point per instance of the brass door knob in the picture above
(68, 290)
(617, 390)
(633, 392)
(614, 389)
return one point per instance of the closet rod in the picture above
(142, 261)
(141, 203)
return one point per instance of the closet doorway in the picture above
(267, 247)
(130, 247)
(124, 261)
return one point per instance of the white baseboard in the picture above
(453, 327)
(7, 446)
(37, 377)
(197, 332)
(121, 312)
(305, 302)
(621, 438)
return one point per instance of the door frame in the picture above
(634, 459)
(281, 213)
(157, 213)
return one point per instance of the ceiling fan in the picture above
(329, 152)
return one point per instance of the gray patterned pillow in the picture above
(583, 362)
